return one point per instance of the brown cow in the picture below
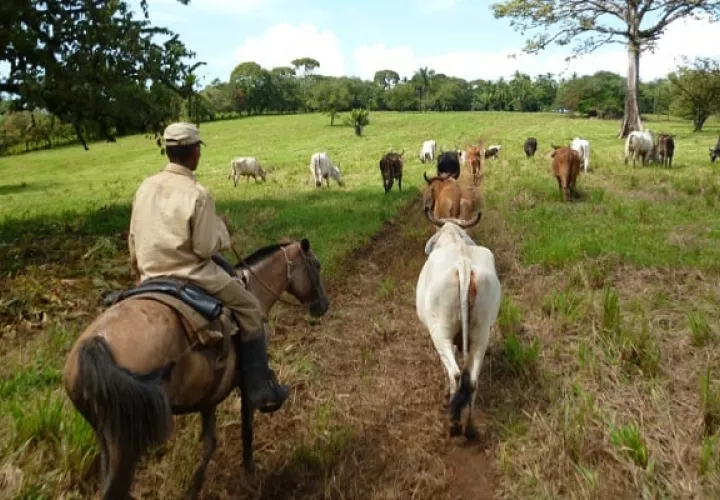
(443, 195)
(665, 149)
(475, 157)
(566, 167)
(391, 168)
(446, 198)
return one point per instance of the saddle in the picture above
(206, 320)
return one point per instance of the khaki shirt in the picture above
(174, 230)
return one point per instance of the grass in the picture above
(602, 357)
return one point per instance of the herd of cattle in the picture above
(458, 293)
(567, 160)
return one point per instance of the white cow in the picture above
(458, 291)
(428, 151)
(247, 166)
(639, 144)
(582, 146)
(322, 168)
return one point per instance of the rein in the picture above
(257, 278)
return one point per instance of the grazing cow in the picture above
(449, 163)
(428, 151)
(247, 166)
(492, 151)
(582, 146)
(443, 196)
(391, 168)
(322, 168)
(640, 145)
(665, 149)
(474, 156)
(566, 167)
(530, 146)
(458, 299)
(715, 152)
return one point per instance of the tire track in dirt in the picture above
(368, 421)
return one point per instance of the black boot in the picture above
(264, 393)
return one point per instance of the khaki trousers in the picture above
(245, 308)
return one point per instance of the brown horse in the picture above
(133, 368)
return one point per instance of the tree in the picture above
(422, 79)
(697, 91)
(359, 119)
(308, 65)
(87, 62)
(331, 96)
(590, 24)
(386, 78)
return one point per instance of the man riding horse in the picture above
(175, 233)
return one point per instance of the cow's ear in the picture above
(305, 245)
(430, 245)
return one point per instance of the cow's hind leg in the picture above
(444, 347)
(400, 182)
(477, 355)
(210, 439)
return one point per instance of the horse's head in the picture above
(304, 279)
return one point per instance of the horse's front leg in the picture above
(210, 439)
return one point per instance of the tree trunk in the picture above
(631, 120)
(80, 137)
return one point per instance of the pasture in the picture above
(601, 379)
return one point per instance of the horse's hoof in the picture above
(455, 429)
(471, 433)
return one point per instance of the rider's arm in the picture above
(209, 234)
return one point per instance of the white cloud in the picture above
(688, 37)
(282, 43)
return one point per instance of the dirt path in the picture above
(366, 419)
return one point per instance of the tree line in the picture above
(82, 70)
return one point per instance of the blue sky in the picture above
(456, 37)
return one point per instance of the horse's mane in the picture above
(260, 254)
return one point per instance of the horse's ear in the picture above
(305, 245)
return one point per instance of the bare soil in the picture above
(369, 423)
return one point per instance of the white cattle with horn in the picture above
(458, 299)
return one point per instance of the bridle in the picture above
(290, 271)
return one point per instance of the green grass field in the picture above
(618, 290)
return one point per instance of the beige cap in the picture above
(181, 134)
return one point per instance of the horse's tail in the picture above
(128, 409)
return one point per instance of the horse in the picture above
(133, 368)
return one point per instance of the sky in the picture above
(456, 37)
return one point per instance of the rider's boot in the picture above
(264, 392)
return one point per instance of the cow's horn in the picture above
(430, 217)
(471, 222)
(426, 177)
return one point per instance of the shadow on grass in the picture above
(333, 220)
(19, 188)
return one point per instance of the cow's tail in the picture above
(462, 396)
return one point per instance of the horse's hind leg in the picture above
(210, 439)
